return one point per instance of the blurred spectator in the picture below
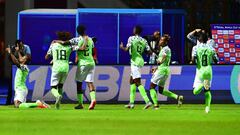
(153, 41)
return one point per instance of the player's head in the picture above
(164, 40)
(81, 30)
(64, 36)
(137, 30)
(19, 43)
(94, 39)
(203, 38)
(156, 35)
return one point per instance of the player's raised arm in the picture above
(215, 57)
(191, 36)
(13, 58)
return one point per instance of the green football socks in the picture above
(133, 89)
(55, 92)
(154, 97)
(208, 98)
(93, 95)
(80, 98)
(28, 105)
(143, 93)
(169, 94)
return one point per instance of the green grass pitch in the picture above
(115, 119)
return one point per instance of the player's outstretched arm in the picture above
(123, 48)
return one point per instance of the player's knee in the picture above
(206, 90)
(152, 86)
(54, 87)
(160, 89)
(60, 86)
(91, 86)
(137, 81)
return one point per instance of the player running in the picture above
(86, 65)
(161, 73)
(204, 55)
(60, 55)
(136, 46)
(19, 57)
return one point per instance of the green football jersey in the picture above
(164, 67)
(137, 45)
(204, 57)
(85, 56)
(20, 79)
(60, 56)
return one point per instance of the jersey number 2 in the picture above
(86, 53)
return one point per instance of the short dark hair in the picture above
(203, 38)
(167, 37)
(94, 39)
(18, 41)
(138, 29)
(64, 36)
(81, 29)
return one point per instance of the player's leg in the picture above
(92, 95)
(143, 93)
(79, 96)
(20, 101)
(132, 94)
(55, 81)
(207, 76)
(89, 80)
(153, 95)
(154, 82)
(136, 75)
(165, 92)
(198, 85)
(208, 96)
(79, 78)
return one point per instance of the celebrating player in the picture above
(20, 55)
(136, 46)
(204, 55)
(60, 68)
(86, 65)
(161, 73)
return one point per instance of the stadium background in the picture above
(197, 15)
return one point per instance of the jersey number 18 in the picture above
(61, 54)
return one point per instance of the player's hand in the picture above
(191, 62)
(17, 48)
(197, 30)
(121, 45)
(8, 50)
(51, 62)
